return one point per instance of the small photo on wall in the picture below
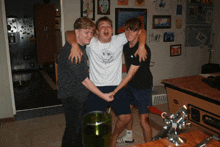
(139, 2)
(178, 23)
(179, 10)
(122, 2)
(168, 37)
(103, 7)
(161, 21)
(175, 50)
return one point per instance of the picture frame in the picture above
(175, 50)
(161, 21)
(168, 37)
(88, 9)
(122, 14)
(195, 1)
(103, 7)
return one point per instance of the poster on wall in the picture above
(104, 7)
(88, 9)
(168, 37)
(162, 5)
(122, 14)
(122, 2)
(175, 50)
(178, 23)
(179, 10)
(139, 2)
(161, 21)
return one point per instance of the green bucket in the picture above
(97, 128)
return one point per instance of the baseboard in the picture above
(6, 120)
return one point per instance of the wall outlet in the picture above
(152, 64)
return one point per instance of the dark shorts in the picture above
(120, 104)
(140, 98)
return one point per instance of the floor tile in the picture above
(138, 130)
(46, 135)
(13, 139)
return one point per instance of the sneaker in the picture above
(125, 139)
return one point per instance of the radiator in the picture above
(159, 95)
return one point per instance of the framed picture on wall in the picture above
(161, 21)
(168, 37)
(195, 1)
(175, 50)
(122, 14)
(88, 9)
(103, 7)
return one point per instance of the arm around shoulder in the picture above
(142, 52)
(75, 50)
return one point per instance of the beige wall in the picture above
(6, 90)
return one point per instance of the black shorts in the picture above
(140, 98)
(120, 104)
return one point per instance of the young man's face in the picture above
(132, 36)
(104, 31)
(84, 36)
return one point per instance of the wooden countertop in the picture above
(196, 85)
(193, 138)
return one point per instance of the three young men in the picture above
(105, 60)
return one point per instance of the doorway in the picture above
(33, 83)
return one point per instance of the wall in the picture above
(189, 63)
(215, 29)
(7, 108)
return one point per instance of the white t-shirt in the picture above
(105, 60)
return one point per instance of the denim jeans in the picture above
(74, 111)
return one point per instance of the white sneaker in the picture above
(125, 139)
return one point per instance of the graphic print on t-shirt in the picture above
(107, 56)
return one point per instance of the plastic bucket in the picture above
(97, 129)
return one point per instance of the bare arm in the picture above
(75, 50)
(89, 85)
(142, 52)
(133, 69)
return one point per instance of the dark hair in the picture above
(104, 18)
(133, 24)
(83, 23)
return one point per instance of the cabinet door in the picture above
(45, 33)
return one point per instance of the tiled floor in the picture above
(47, 131)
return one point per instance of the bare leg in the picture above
(128, 137)
(130, 124)
(145, 125)
(120, 125)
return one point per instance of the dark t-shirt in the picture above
(71, 75)
(143, 78)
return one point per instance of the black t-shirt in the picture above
(143, 78)
(71, 75)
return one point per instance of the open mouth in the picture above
(106, 33)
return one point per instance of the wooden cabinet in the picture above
(44, 15)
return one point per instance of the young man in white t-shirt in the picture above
(105, 63)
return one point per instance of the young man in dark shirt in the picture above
(74, 85)
(139, 81)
